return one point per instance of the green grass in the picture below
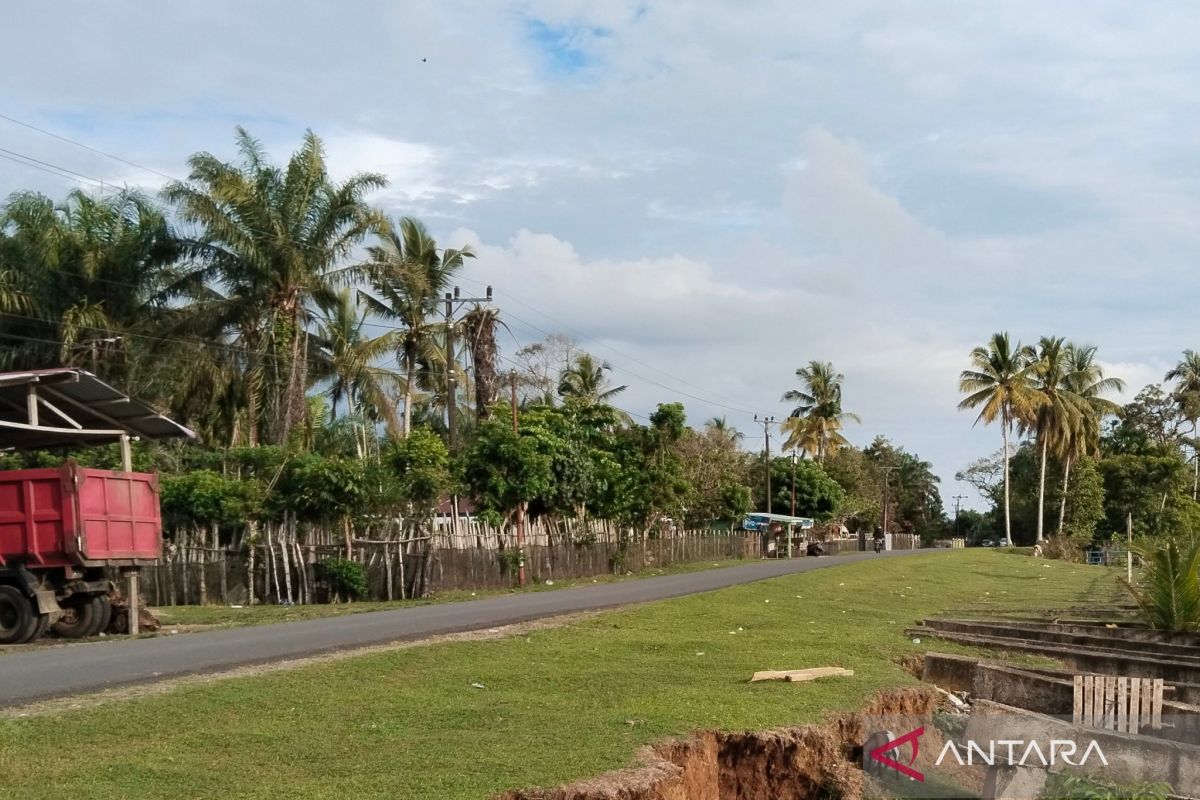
(228, 616)
(559, 704)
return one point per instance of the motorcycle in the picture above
(878, 545)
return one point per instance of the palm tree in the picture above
(479, 330)
(1056, 415)
(1085, 380)
(409, 276)
(274, 241)
(815, 423)
(999, 384)
(86, 282)
(585, 380)
(349, 361)
(1186, 375)
(720, 427)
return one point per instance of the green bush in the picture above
(346, 578)
(1168, 593)
(1073, 787)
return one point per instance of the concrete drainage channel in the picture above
(940, 739)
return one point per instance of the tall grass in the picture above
(1168, 593)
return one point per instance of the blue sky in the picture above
(708, 195)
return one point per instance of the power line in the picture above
(46, 166)
(62, 138)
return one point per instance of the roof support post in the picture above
(31, 404)
(126, 453)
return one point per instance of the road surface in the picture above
(49, 672)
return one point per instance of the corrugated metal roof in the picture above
(88, 401)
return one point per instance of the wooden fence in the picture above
(195, 575)
(471, 556)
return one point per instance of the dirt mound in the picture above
(119, 623)
(814, 761)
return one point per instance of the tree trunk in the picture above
(250, 573)
(408, 395)
(1196, 462)
(1062, 506)
(1007, 514)
(346, 532)
(1042, 492)
(203, 563)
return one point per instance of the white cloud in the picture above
(727, 191)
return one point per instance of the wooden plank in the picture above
(1135, 704)
(1077, 711)
(1123, 705)
(1098, 701)
(800, 675)
(1089, 700)
(1110, 702)
(1157, 703)
(1147, 703)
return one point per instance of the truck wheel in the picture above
(77, 619)
(41, 624)
(103, 614)
(16, 615)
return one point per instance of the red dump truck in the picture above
(65, 530)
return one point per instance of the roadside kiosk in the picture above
(778, 533)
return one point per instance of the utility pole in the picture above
(767, 422)
(793, 481)
(453, 303)
(887, 474)
(512, 381)
(958, 498)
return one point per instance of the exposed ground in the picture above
(555, 705)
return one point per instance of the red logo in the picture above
(913, 738)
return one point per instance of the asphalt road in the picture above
(44, 672)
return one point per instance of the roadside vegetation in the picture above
(339, 397)
(468, 719)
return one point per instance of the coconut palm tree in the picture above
(1056, 415)
(1186, 375)
(274, 241)
(349, 360)
(85, 282)
(479, 331)
(815, 423)
(1086, 382)
(1000, 385)
(585, 380)
(720, 427)
(409, 276)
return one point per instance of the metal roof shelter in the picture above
(67, 406)
(755, 521)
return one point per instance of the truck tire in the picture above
(77, 620)
(41, 624)
(103, 612)
(16, 616)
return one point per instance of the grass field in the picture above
(229, 616)
(558, 704)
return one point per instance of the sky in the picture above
(706, 194)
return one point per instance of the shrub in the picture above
(1073, 787)
(1169, 591)
(346, 578)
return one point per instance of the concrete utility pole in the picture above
(512, 378)
(453, 303)
(767, 422)
(887, 474)
(958, 498)
(793, 481)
